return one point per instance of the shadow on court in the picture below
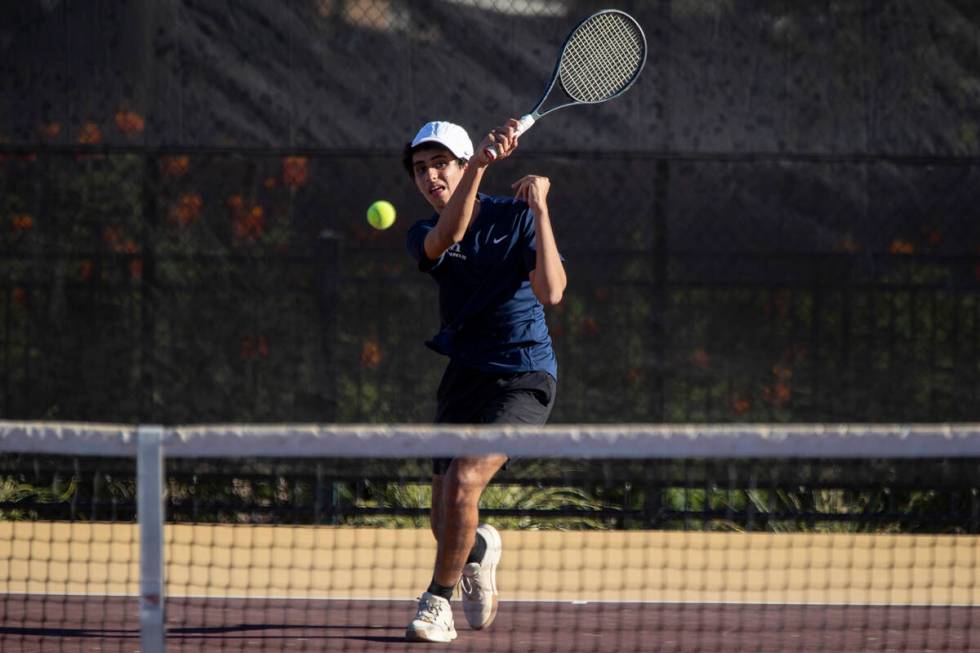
(41, 624)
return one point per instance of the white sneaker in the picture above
(479, 583)
(433, 622)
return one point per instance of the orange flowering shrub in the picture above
(778, 395)
(49, 130)
(90, 134)
(900, 246)
(371, 354)
(248, 223)
(295, 171)
(22, 222)
(782, 372)
(188, 209)
(130, 122)
(741, 405)
(174, 166)
(113, 237)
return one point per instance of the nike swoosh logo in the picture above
(497, 241)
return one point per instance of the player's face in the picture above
(437, 172)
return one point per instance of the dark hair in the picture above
(410, 151)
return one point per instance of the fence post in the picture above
(149, 479)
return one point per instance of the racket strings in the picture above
(602, 58)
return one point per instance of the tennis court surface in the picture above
(616, 538)
(277, 625)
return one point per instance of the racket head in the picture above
(602, 57)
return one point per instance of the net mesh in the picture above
(602, 57)
(288, 538)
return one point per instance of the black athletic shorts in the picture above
(468, 396)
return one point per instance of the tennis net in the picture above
(615, 538)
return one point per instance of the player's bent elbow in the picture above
(450, 238)
(436, 244)
(549, 298)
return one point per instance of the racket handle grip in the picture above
(523, 125)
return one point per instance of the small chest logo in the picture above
(456, 252)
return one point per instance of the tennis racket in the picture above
(600, 60)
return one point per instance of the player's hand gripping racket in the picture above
(600, 59)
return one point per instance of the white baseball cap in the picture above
(451, 136)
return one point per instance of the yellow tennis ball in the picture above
(381, 214)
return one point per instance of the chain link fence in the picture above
(778, 223)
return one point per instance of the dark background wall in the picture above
(778, 222)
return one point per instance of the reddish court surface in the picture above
(87, 624)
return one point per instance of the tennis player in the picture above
(497, 265)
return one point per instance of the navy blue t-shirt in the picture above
(484, 277)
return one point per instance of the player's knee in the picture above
(466, 487)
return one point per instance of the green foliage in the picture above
(14, 490)
(534, 501)
(852, 496)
